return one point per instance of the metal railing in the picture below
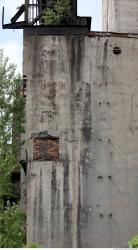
(34, 10)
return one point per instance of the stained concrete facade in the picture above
(79, 91)
(120, 16)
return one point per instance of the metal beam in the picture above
(2, 16)
(18, 14)
(18, 25)
(74, 8)
(26, 10)
(56, 30)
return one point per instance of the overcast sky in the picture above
(11, 40)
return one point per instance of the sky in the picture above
(11, 41)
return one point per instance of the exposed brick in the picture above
(45, 149)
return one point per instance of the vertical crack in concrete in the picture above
(53, 202)
(41, 210)
(67, 205)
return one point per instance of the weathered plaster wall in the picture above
(83, 94)
(108, 15)
(120, 16)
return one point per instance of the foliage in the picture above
(33, 245)
(12, 229)
(12, 220)
(134, 242)
(58, 14)
(11, 103)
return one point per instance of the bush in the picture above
(32, 245)
(134, 242)
(12, 227)
(59, 13)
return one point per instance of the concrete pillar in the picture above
(120, 16)
(81, 100)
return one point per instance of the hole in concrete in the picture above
(101, 215)
(116, 50)
(100, 177)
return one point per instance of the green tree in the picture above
(133, 243)
(58, 14)
(12, 227)
(11, 106)
(11, 120)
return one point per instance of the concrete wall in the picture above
(82, 93)
(120, 16)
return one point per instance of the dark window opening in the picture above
(15, 182)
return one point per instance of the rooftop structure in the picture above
(120, 16)
(33, 11)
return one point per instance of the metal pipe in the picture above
(74, 8)
(26, 10)
(2, 16)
